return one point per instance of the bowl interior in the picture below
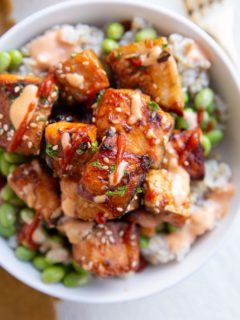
(224, 80)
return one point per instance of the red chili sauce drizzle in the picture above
(27, 231)
(100, 218)
(71, 149)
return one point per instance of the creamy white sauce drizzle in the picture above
(20, 105)
(136, 112)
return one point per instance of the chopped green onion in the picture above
(94, 146)
(50, 151)
(96, 164)
(119, 192)
(153, 106)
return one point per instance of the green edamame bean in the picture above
(27, 215)
(115, 31)
(7, 193)
(16, 58)
(75, 279)
(206, 144)
(24, 253)
(4, 165)
(203, 98)
(14, 157)
(205, 120)
(160, 227)
(181, 123)
(7, 232)
(78, 268)
(215, 136)
(170, 228)
(17, 201)
(186, 98)
(40, 263)
(53, 274)
(7, 215)
(143, 242)
(146, 33)
(5, 61)
(108, 45)
(12, 168)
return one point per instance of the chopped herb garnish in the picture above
(139, 190)
(50, 151)
(43, 119)
(43, 100)
(118, 55)
(153, 106)
(94, 146)
(119, 192)
(142, 68)
(165, 45)
(96, 164)
(80, 151)
(99, 96)
(112, 168)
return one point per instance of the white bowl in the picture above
(153, 279)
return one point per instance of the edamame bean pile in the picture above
(54, 245)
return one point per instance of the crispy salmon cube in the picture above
(150, 67)
(24, 111)
(34, 185)
(111, 177)
(141, 120)
(108, 249)
(187, 144)
(167, 193)
(81, 77)
(75, 206)
(69, 146)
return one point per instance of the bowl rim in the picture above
(52, 290)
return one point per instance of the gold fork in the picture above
(216, 17)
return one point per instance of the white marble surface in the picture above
(211, 293)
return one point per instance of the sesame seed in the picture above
(132, 237)
(54, 94)
(101, 226)
(157, 141)
(120, 209)
(5, 127)
(103, 138)
(118, 109)
(103, 240)
(105, 167)
(93, 119)
(134, 264)
(121, 233)
(112, 240)
(105, 159)
(30, 144)
(69, 98)
(33, 125)
(1, 116)
(89, 145)
(67, 69)
(86, 63)
(99, 233)
(1, 131)
(113, 129)
(24, 137)
(55, 147)
(90, 264)
(17, 89)
(186, 163)
(108, 232)
(83, 258)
